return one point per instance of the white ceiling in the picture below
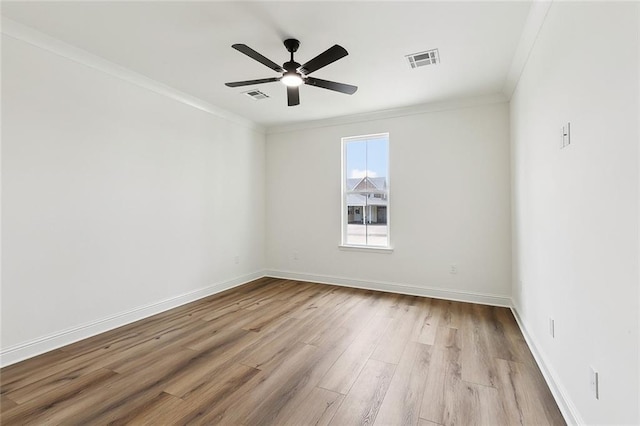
(187, 45)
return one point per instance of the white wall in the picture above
(114, 198)
(575, 211)
(450, 203)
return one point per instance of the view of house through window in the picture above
(365, 190)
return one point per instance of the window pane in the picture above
(366, 191)
(356, 164)
(356, 234)
(376, 221)
(377, 163)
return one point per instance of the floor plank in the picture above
(392, 344)
(362, 403)
(160, 410)
(345, 371)
(265, 400)
(276, 352)
(211, 399)
(524, 407)
(443, 379)
(477, 404)
(423, 422)
(303, 386)
(6, 403)
(426, 326)
(214, 406)
(401, 405)
(475, 358)
(318, 408)
(41, 410)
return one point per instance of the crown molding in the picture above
(391, 113)
(532, 27)
(36, 38)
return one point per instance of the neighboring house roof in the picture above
(365, 183)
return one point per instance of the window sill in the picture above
(371, 249)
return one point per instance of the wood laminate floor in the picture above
(279, 352)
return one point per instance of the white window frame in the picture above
(343, 184)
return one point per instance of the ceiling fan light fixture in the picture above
(291, 79)
(292, 74)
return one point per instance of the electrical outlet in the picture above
(453, 269)
(236, 260)
(594, 382)
(552, 327)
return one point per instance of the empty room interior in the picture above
(291, 213)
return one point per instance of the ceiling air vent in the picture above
(422, 59)
(256, 95)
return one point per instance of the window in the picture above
(365, 191)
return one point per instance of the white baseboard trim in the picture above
(26, 350)
(437, 293)
(567, 408)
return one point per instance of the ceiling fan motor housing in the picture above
(292, 45)
(291, 66)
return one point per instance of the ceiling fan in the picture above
(294, 74)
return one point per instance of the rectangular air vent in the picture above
(256, 95)
(423, 59)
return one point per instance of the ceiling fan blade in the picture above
(293, 95)
(331, 85)
(250, 82)
(330, 55)
(258, 57)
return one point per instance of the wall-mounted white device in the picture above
(566, 135)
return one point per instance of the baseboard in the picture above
(437, 293)
(26, 350)
(567, 408)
